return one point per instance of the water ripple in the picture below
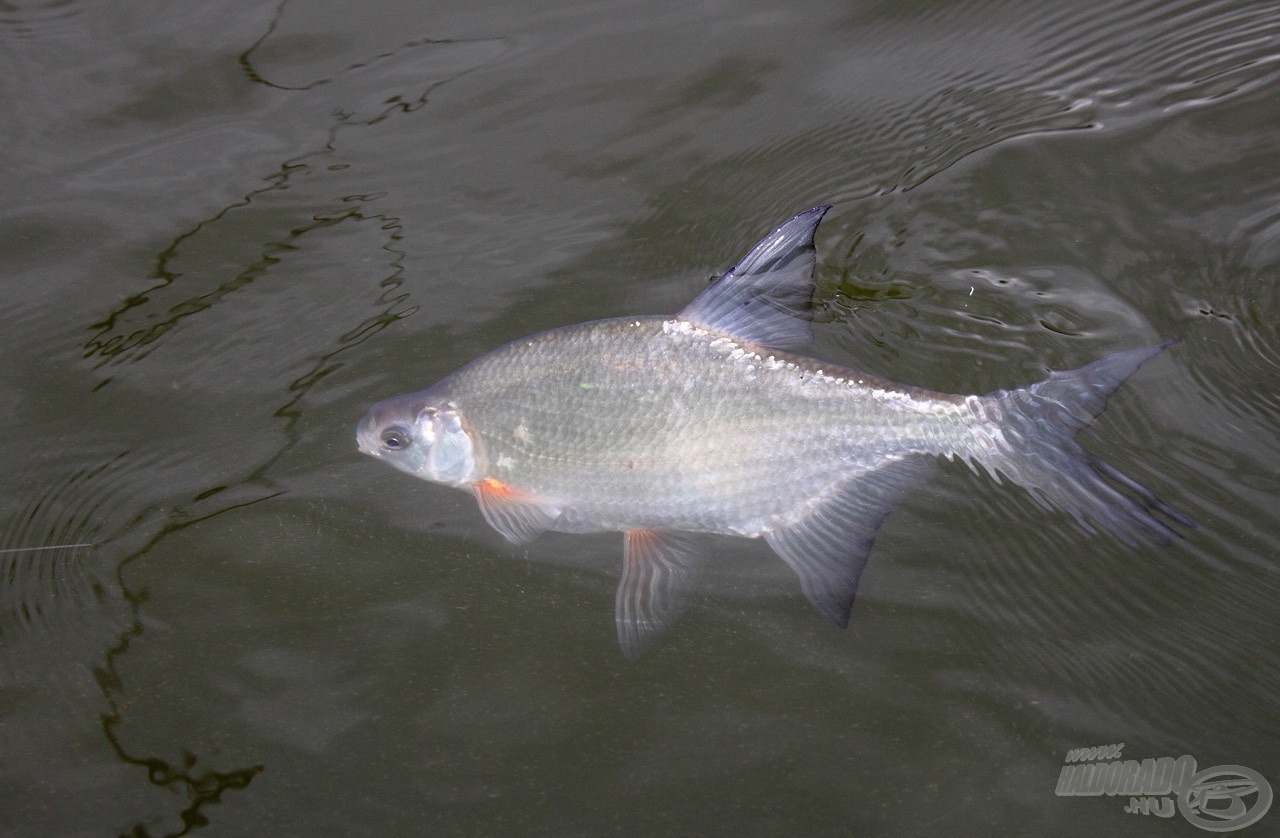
(60, 600)
(1053, 70)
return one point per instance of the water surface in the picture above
(228, 228)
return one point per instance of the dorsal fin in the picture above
(767, 298)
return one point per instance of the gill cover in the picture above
(451, 457)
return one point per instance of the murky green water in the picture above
(227, 228)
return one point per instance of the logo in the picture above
(1216, 798)
(1219, 799)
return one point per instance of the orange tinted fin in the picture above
(517, 516)
(657, 568)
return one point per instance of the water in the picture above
(229, 227)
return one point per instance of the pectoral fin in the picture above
(657, 568)
(517, 516)
(828, 547)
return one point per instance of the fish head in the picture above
(422, 434)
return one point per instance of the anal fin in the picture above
(829, 546)
(657, 569)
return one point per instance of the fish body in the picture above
(657, 423)
(705, 422)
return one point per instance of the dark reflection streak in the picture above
(247, 65)
(117, 344)
(246, 62)
(109, 348)
(394, 310)
(199, 303)
(205, 787)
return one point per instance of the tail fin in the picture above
(1038, 451)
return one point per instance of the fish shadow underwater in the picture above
(665, 427)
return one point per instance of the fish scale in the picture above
(714, 462)
(705, 422)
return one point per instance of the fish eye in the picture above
(395, 438)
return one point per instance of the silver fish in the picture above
(702, 422)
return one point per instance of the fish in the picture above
(664, 427)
